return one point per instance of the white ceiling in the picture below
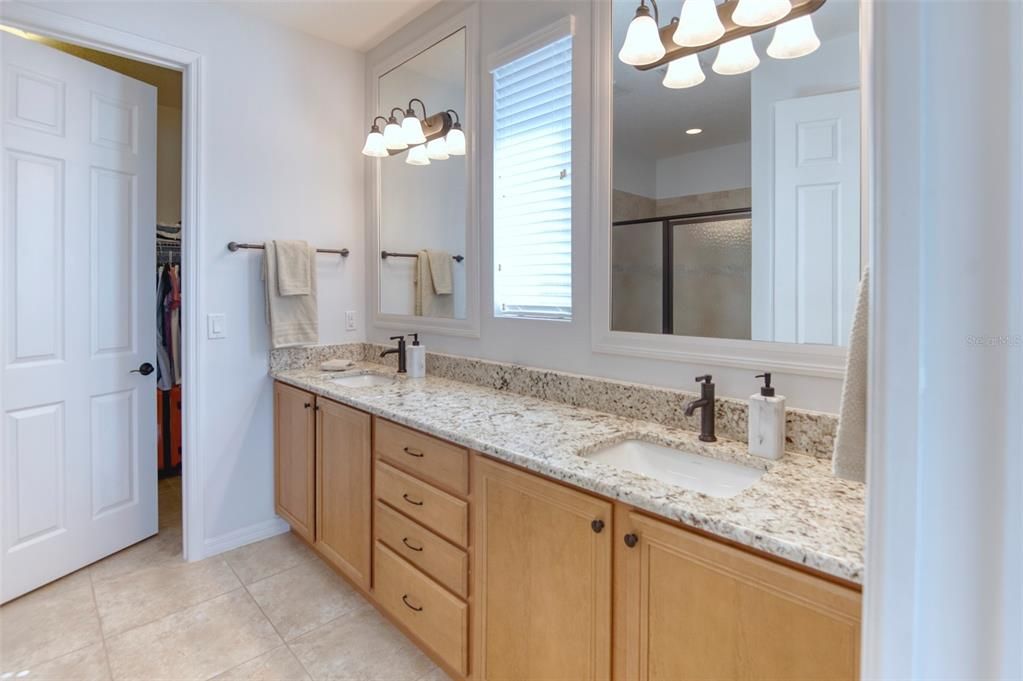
(356, 24)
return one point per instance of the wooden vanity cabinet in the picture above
(542, 578)
(344, 486)
(690, 607)
(295, 459)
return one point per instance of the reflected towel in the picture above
(293, 320)
(428, 302)
(850, 459)
(440, 272)
(294, 268)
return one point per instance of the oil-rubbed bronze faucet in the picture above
(706, 404)
(400, 351)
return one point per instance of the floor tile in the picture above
(304, 597)
(87, 664)
(277, 665)
(437, 674)
(268, 557)
(145, 595)
(159, 550)
(361, 645)
(197, 643)
(48, 623)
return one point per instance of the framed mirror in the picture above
(423, 210)
(734, 212)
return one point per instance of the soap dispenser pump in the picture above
(416, 358)
(766, 421)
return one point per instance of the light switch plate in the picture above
(350, 320)
(216, 326)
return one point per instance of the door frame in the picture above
(81, 32)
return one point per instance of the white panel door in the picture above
(816, 237)
(78, 428)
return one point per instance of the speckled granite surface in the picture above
(797, 511)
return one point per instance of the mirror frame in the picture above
(470, 326)
(793, 358)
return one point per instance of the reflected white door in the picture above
(816, 240)
(78, 293)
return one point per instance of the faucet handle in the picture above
(397, 337)
(705, 379)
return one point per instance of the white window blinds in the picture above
(533, 184)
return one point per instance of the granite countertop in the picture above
(797, 511)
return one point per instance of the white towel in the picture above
(850, 458)
(293, 320)
(294, 268)
(440, 272)
(428, 302)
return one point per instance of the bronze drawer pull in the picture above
(404, 599)
(413, 452)
(411, 501)
(631, 540)
(404, 540)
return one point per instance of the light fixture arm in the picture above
(379, 118)
(455, 114)
(657, 13)
(399, 110)
(416, 99)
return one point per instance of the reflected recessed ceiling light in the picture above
(694, 131)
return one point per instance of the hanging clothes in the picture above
(168, 326)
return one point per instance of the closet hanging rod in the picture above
(234, 246)
(390, 254)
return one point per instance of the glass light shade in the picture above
(393, 137)
(437, 149)
(736, 56)
(683, 73)
(456, 142)
(642, 41)
(417, 156)
(794, 39)
(760, 12)
(412, 130)
(698, 24)
(375, 145)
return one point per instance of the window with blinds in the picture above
(533, 184)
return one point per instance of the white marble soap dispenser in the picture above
(416, 358)
(766, 421)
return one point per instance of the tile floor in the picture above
(266, 611)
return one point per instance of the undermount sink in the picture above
(362, 380)
(677, 467)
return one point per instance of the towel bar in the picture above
(234, 246)
(390, 254)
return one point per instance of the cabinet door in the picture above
(294, 450)
(343, 488)
(689, 607)
(542, 578)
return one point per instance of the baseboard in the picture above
(243, 536)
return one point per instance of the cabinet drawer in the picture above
(445, 563)
(431, 459)
(439, 511)
(439, 619)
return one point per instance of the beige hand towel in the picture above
(428, 302)
(294, 268)
(850, 458)
(440, 272)
(293, 320)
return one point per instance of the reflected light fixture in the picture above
(694, 131)
(736, 56)
(795, 38)
(703, 24)
(393, 137)
(760, 12)
(698, 24)
(437, 149)
(417, 156)
(683, 73)
(375, 145)
(411, 127)
(455, 138)
(643, 39)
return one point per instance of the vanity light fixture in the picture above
(736, 56)
(439, 136)
(760, 12)
(375, 144)
(694, 131)
(702, 25)
(455, 138)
